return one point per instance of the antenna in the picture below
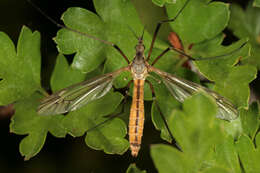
(133, 32)
(142, 34)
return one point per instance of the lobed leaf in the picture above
(26, 121)
(196, 131)
(235, 85)
(89, 52)
(256, 3)
(168, 159)
(244, 23)
(108, 137)
(208, 44)
(225, 155)
(219, 68)
(250, 120)
(249, 153)
(117, 30)
(59, 77)
(20, 70)
(78, 122)
(211, 18)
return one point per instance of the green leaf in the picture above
(59, 126)
(233, 128)
(250, 120)
(231, 80)
(256, 3)
(161, 3)
(117, 30)
(27, 122)
(235, 85)
(77, 122)
(196, 131)
(133, 169)
(59, 77)
(168, 159)
(249, 154)
(89, 52)
(225, 155)
(217, 68)
(20, 70)
(245, 24)
(211, 18)
(222, 70)
(108, 137)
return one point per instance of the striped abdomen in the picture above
(136, 119)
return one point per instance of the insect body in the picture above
(78, 95)
(136, 119)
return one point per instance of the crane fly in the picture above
(78, 95)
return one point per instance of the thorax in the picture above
(139, 67)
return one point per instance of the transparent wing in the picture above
(182, 89)
(78, 95)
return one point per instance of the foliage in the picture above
(206, 147)
(206, 141)
(228, 77)
(133, 169)
(20, 67)
(256, 3)
(26, 120)
(244, 23)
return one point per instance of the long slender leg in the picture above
(193, 58)
(161, 114)
(159, 26)
(79, 32)
(111, 117)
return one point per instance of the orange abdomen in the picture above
(136, 119)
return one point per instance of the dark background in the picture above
(69, 154)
